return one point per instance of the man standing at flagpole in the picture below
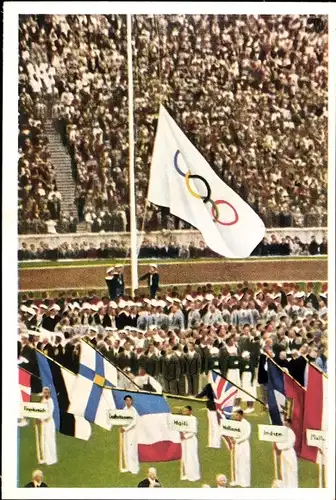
(288, 458)
(190, 461)
(242, 453)
(115, 281)
(153, 280)
(129, 439)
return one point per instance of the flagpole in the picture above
(275, 460)
(133, 226)
(320, 480)
(233, 462)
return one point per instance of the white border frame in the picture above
(10, 239)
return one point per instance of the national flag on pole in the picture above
(61, 383)
(182, 180)
(24, 393)
(123, 382)
(225, 394)
(25, 385)
(156, 442)
(285, 400)
(92, 395)
(315, 415)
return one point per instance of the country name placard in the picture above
(316, 438)
(119, 417)
(231, 428)
(273, 433)
(34, 410)
(182, 423)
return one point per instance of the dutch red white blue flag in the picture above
(156, 442)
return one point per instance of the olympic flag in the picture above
(181, 179)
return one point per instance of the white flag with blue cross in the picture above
(92, 395)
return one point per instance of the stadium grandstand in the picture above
(250, 92)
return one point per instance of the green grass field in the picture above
(95, 463)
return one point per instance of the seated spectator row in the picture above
(170, 250)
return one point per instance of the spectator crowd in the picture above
(169, 249)
(251, 93)
(177, 339)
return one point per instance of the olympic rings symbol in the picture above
(206, 199)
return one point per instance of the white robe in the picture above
(249, 387)
(49, 434)
(288, 460)
(242, 454)
(131, 454)
(190, 460)
(233, 375)
(214, 440)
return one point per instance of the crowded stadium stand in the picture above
(250, 92)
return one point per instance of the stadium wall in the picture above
(158, 237)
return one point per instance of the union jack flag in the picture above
(225, 394)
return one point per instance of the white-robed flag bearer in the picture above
(129, 440)
(190, 462)
(48, 430)
(242, 453)
(288, 459)
(214, 433)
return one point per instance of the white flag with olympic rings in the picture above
(181, 179)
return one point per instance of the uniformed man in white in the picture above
(194, 316)
(213, 316)
(249, 392)
(176, 318)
